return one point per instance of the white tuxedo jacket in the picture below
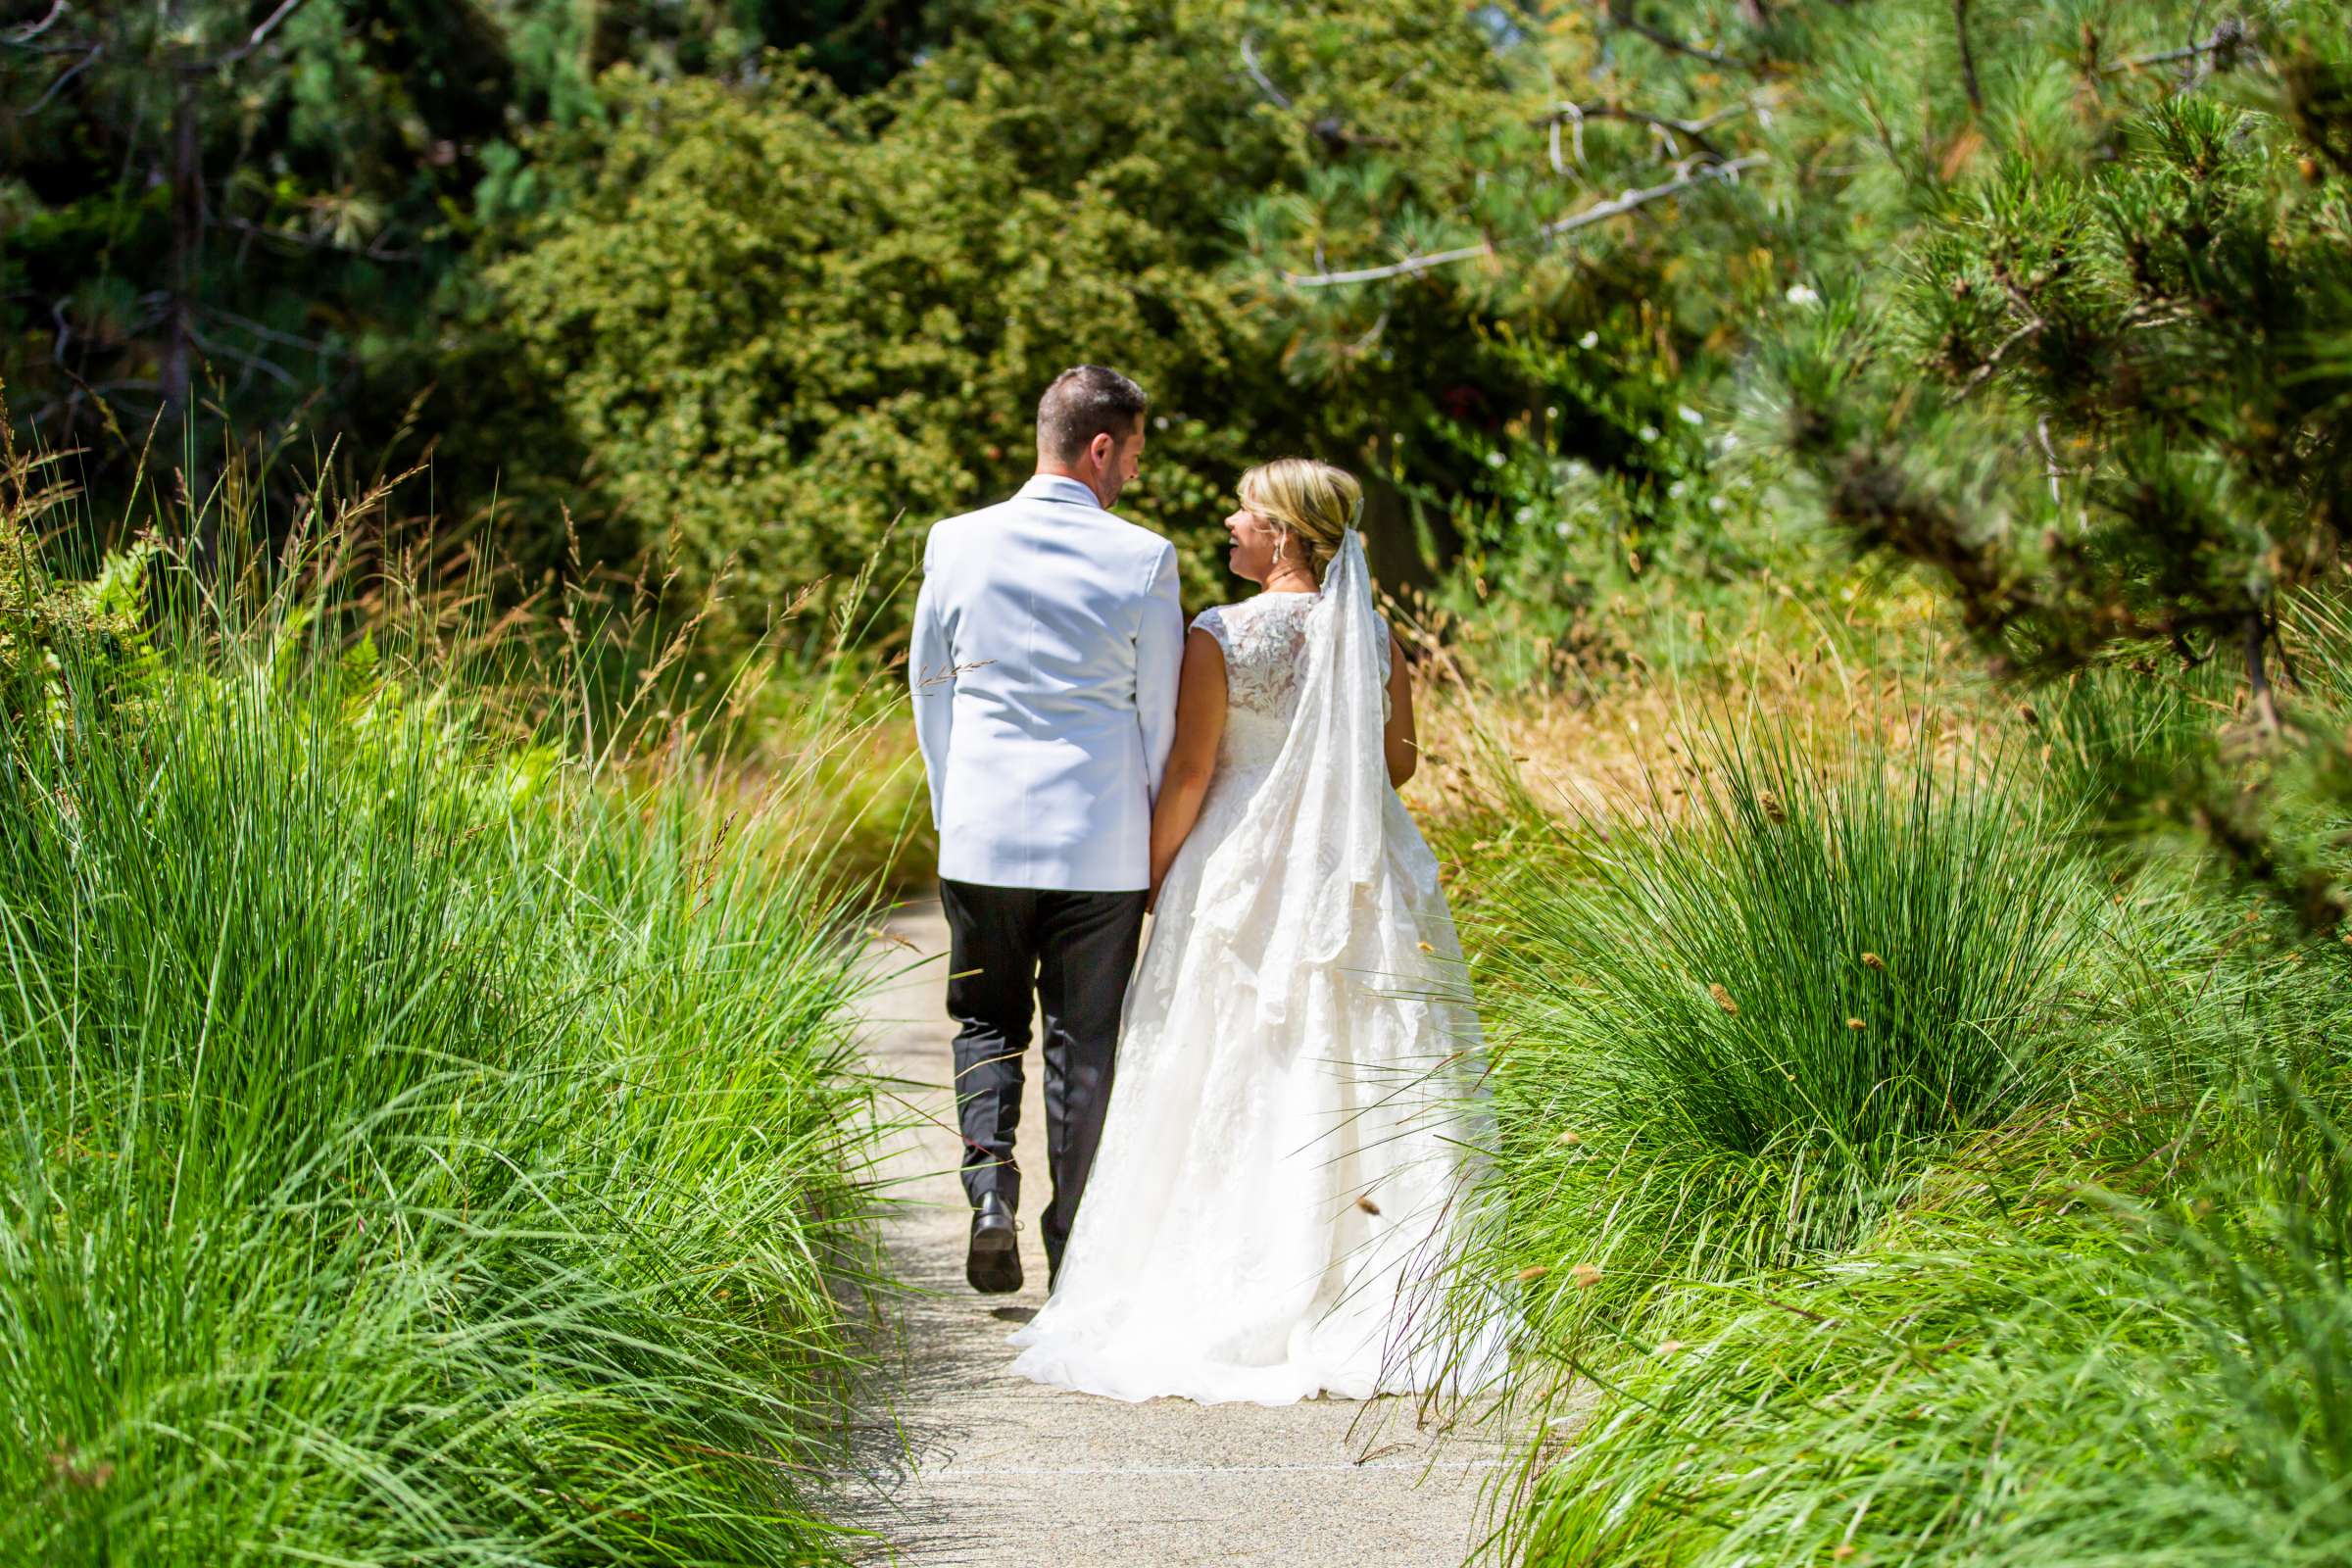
(1047, 638)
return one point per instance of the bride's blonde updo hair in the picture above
(1313, 503)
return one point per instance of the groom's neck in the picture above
(1047, 468)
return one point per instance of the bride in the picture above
(1298, 1095)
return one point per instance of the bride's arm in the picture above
(1400, 742)
(1193, 757)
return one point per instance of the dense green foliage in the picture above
(2047, 300)
(1522, 264)
(726, 304)
(780, 319)
(415, 1147)
(2160, 1384)
(240, 211)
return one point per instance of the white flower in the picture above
(1526, 514)
(1717, 504)
(1494, 460)
(1648, 432)
(1674, 491)
(1590, 340)
(1690, 414)
(1798, 294)
(1561, 527)
(1551, 410)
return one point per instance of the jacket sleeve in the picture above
(1159, 660)
(931, 679)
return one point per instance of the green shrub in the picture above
(761, 321)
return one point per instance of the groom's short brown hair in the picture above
(1084, 402)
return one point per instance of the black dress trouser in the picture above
(1073, 953)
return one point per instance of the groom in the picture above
(1047, 641)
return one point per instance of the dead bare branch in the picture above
(2266, 721)
(1599, 212)
(34, 29)
(268, 26)
(315, 242)
(271, 335)
(1693, 131)
(1257, 74)
(2051, 469)
(58, 85)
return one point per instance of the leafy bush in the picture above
(1611, 505)
(766, 320)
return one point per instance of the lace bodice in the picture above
(1262, 640)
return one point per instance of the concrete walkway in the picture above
(991, 1469)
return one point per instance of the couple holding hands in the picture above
(1279, 1180)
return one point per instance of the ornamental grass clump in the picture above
(2159, 1374)
(410, 1150)
(1764, 1025)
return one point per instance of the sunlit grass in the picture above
(1734, 1044)
(2038, 1261)
(420, 1141)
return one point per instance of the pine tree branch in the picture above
(1968, 58)
(1621, 14)
(1332, 130)
(1993, 361)
(1598, 212)
(2228, 36)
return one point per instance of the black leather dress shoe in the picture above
(993, 1263)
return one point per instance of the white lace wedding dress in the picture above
(1289, 1139)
